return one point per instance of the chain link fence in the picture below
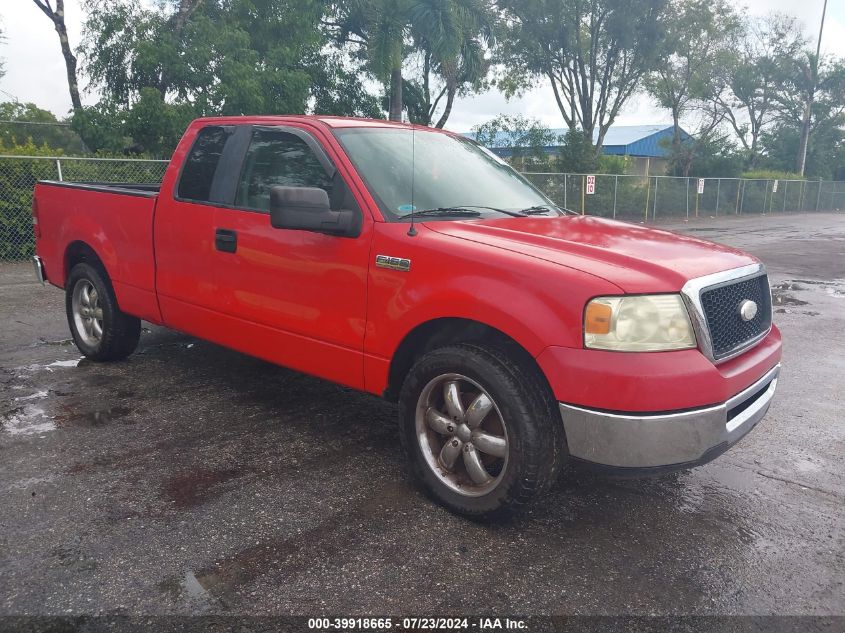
(655, 198)
(634, 198)
(18, 175)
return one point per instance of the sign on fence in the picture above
(701, 185)
(591, 185)
(775, 186)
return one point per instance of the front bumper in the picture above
(655, 441)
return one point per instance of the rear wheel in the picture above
(100, 330)
(477, 430)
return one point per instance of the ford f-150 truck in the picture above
(414, 264)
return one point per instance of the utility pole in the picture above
(808, 110)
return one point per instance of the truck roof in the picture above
(330, 121)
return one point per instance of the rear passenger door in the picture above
(302, 293)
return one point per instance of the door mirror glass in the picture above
(308, 209)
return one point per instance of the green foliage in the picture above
(594, 54)
(448, 37)
(526, 138)
(613, 164)
(35, 127)
(770, 174)
(158, 66)
(577, 154)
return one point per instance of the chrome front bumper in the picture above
(686, 438)
(39, 269)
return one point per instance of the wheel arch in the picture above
(79, 252)
(443, 331)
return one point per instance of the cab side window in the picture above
(276, 158)
(201, 163)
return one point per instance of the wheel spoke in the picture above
(449, 453)
(93, 297)
(490, 444)
(438, 422)
(452, 396)
(86, 325)
(478, 410)
(96, 328)
(474, 467)
(97, 313)
(85, 295)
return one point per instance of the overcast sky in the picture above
(35, 69)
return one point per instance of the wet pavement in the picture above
(191, 479)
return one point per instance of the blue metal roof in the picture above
(622, 140)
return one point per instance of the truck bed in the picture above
(113, 219)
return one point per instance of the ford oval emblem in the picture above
(747, 310)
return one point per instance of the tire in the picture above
(518, 411)
(100, 330)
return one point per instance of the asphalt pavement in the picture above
(191, 479)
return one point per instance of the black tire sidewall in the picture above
(107, 302)
(524, 477)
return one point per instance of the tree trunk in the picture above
(450, 99)
(396, 94)
(58, 19)
(451, 91)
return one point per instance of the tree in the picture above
(594, 53)
(57, 17)
(24, 123)
(525, 137)
(822, 131)
(449, 35)
(157, 66)
(755, 76)
(687, 79)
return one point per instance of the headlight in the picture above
(650, 323)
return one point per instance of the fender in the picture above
(531, 301)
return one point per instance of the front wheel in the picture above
(100, 330)
(477, 430)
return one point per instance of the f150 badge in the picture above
(393, 263)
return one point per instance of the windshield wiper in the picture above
(540, 209)
(446, 212)
(516, 214)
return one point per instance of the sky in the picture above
(35, 70)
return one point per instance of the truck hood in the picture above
(635, 258)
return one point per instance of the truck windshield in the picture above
(425, 170)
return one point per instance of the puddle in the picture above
(38, 395)
(193, 488)
(93, 418)
(29, 419)
(780, 298)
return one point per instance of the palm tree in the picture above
(451, 31)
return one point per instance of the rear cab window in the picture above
(201, 164)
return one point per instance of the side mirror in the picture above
(308, 209)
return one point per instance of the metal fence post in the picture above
(59, 169)
(615, 189)
(654, 209)
(743, 184)
(718, 186)
(688, 197)
(565, 187)
(819, 195)
(785, 190)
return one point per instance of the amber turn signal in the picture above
(597, 318)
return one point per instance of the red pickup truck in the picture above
(413, 264)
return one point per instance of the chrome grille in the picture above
(721, 304)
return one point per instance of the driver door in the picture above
(299, 296)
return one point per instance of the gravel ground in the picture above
(191, 479)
